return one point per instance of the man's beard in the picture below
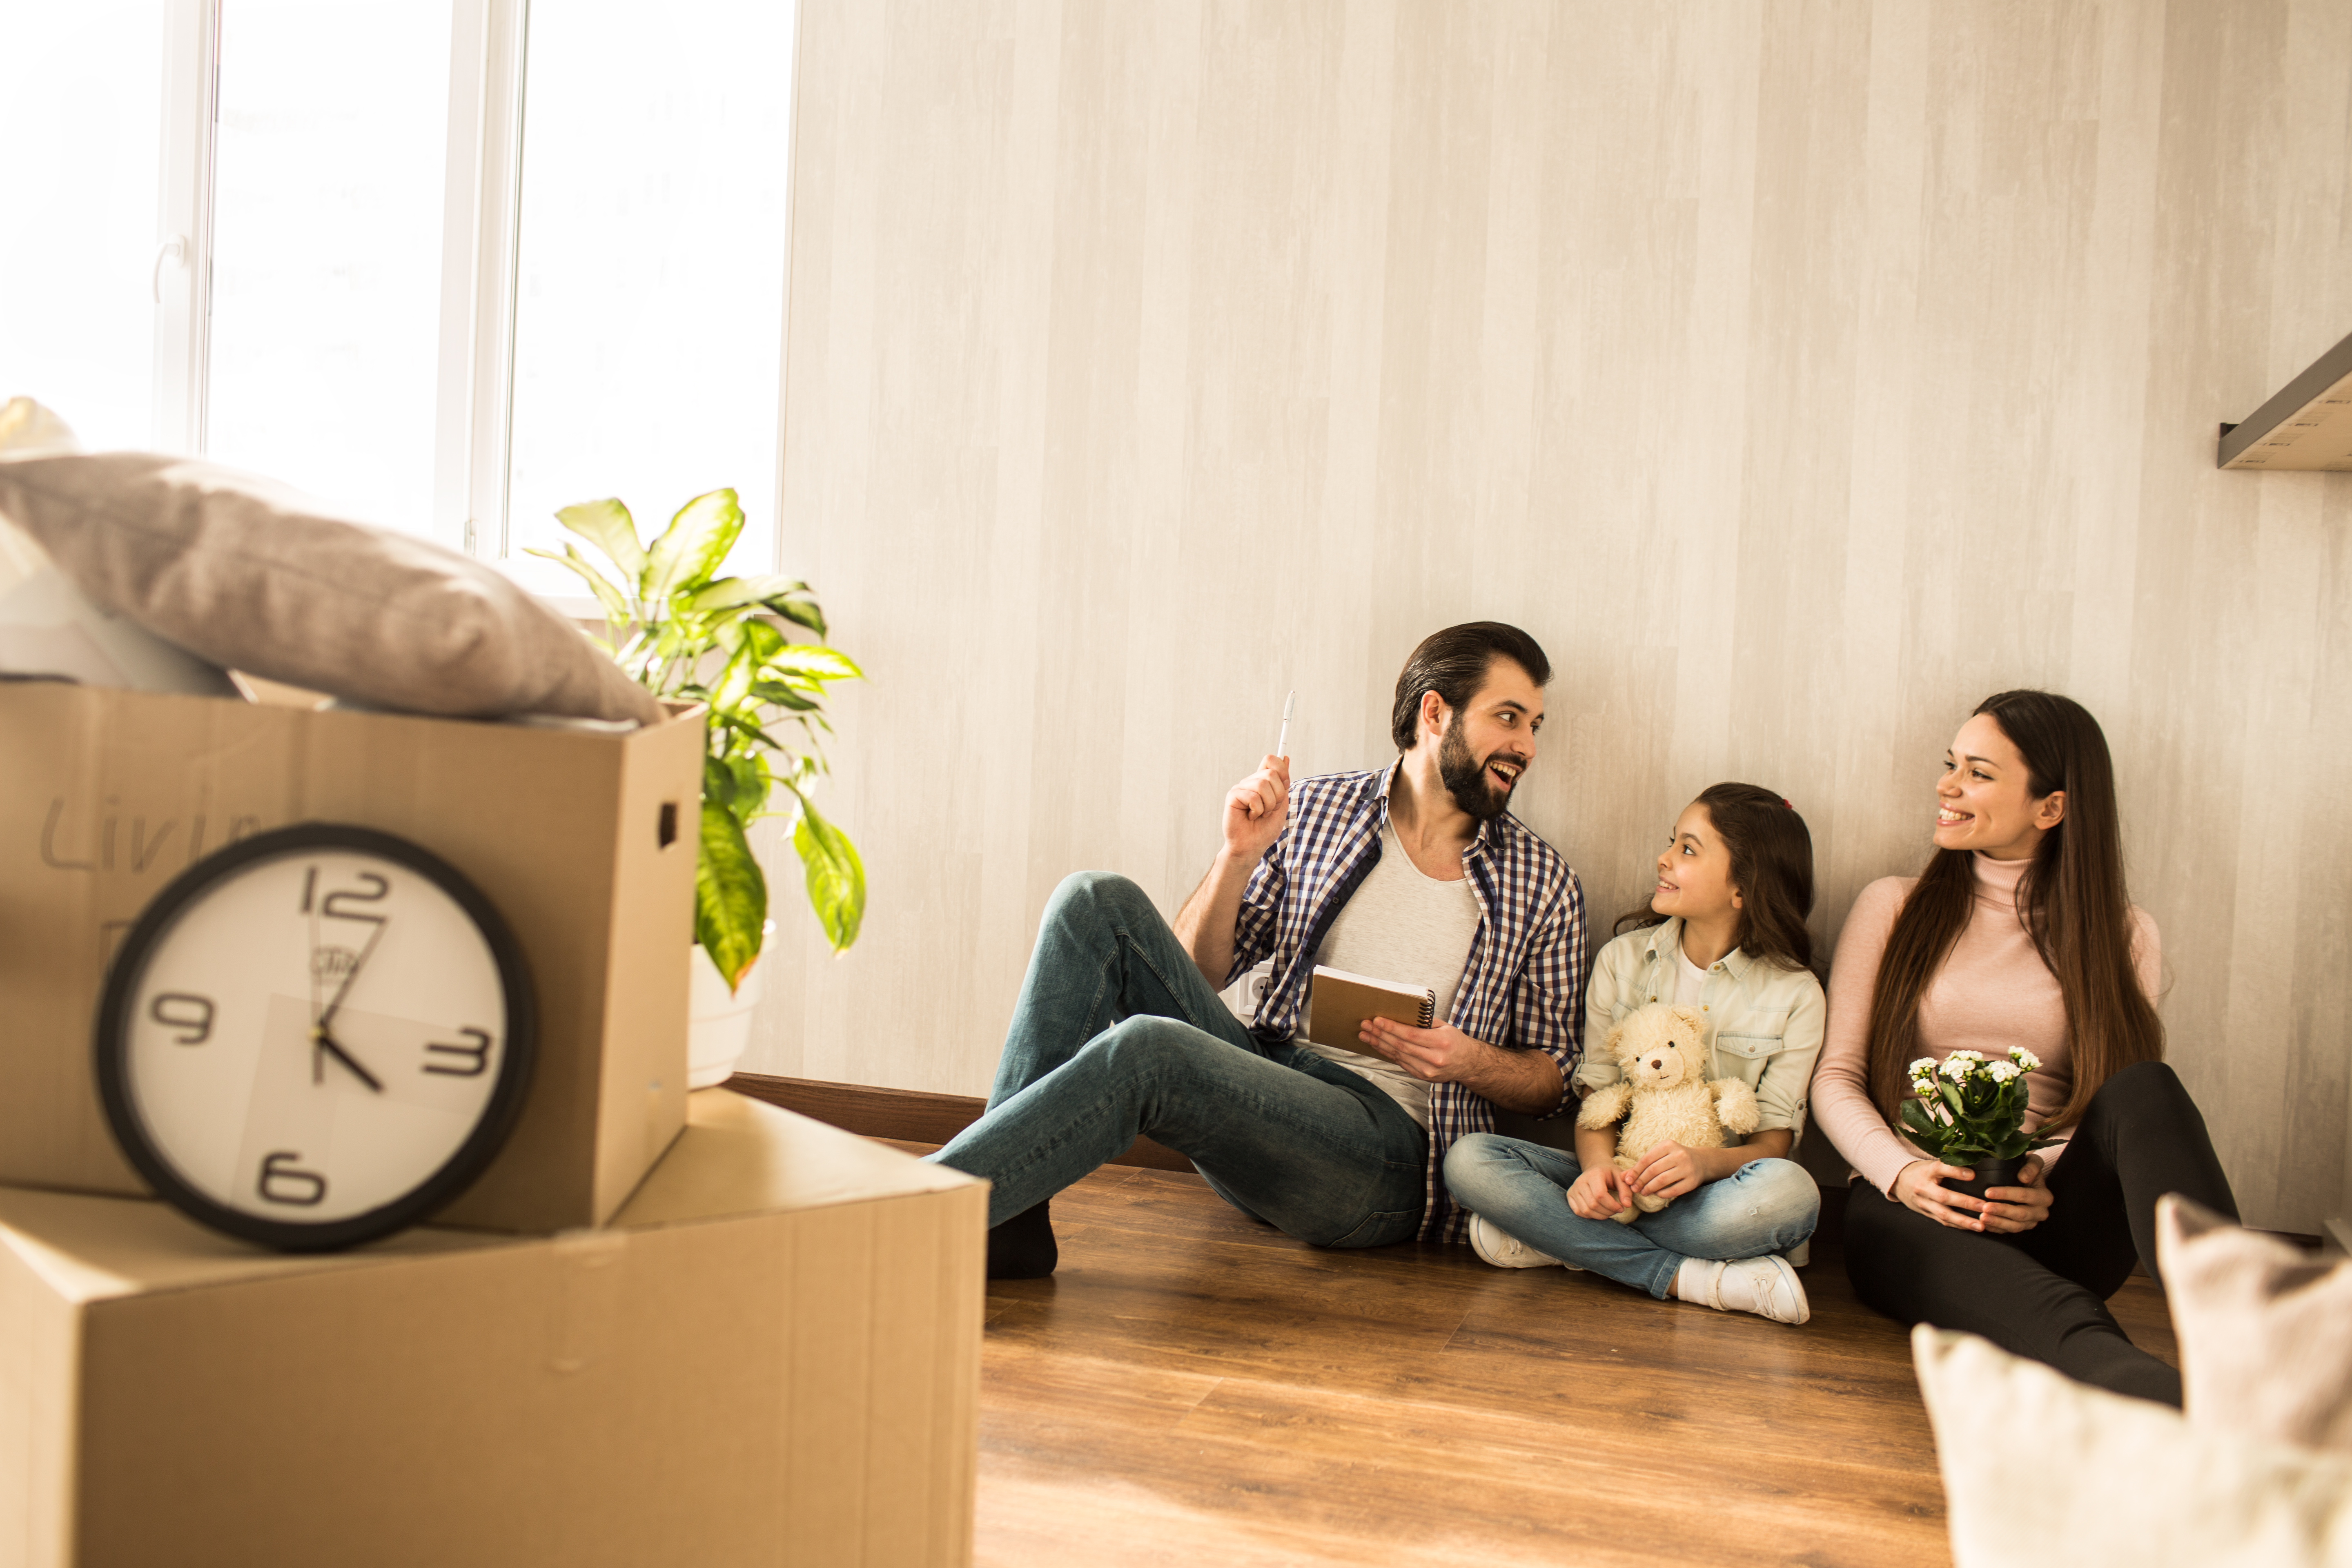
(1465, 776)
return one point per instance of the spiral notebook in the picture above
(1341, 1002)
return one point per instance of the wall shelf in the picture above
(2308, 426)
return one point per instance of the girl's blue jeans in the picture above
(1765, 1205)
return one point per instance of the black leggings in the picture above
(2042, 1293)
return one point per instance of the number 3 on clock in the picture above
(475, 1054)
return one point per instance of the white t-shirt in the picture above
(1689, 979)
(1400, 926)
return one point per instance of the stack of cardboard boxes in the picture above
(661, 1329)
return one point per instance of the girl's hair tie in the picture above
(1784, 802)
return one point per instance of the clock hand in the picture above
(322, 1042)
(314, 966)
(357, 964)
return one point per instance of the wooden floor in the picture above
(1194, 1388)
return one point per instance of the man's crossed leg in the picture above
(1115, 1034)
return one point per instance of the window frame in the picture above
(481, 226)
(481, 185)
(481, 233)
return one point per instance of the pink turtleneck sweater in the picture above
(1993, 993)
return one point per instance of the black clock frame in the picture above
(455, 1175)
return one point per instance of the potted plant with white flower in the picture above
(686, 633)
(1970, 1110)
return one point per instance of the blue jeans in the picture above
(1765, 1205)
(1117, 1034)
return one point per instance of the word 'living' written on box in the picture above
(144, 849)
(139, 851)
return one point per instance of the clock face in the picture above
(315, 1036)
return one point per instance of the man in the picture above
(1412, 873)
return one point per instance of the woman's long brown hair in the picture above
(1771, 864)
(2072, 900)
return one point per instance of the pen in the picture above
(1282, 742)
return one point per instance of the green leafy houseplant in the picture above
(1970, 1108)
(684, 632)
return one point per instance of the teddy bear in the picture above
(1665, 1093)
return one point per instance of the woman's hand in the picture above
(1667, 1171)
(2021, 1207)
(1919, 1187)
(1598, 1193)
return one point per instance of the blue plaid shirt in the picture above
(1522, 987)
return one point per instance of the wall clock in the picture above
(315, 1036)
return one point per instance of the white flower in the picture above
(1959, 1065)
(2025, 1059)
(2001, 1072)
(1923, 1067)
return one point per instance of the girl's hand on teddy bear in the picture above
(1597, 1193)
(1667, 1171)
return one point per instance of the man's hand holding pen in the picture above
(1255, 810)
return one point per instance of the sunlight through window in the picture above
(649, 312)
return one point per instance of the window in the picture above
(649, 308)
(326, 249)
(80, 115)
(451, 265)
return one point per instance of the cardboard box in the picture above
(772, 1357)
(585, 842)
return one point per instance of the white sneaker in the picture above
(1503, 1250)
(1765, 1286)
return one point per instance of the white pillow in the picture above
(2265, 1330)
(27, 430)
(2041, 1471)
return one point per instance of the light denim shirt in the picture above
(1763, 1022)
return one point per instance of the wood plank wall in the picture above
(1799, 374)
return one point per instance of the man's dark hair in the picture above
(1454, 663)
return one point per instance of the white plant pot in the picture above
(719, 1026)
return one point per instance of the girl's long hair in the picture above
(1772, 867)
(2072, 900)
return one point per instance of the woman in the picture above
(1725, 932)
(2019, 933)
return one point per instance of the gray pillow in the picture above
(258, 576)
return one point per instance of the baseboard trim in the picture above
(912, 1116)
(908, 1115)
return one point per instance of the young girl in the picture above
(1724, 932)
(2018, 934)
